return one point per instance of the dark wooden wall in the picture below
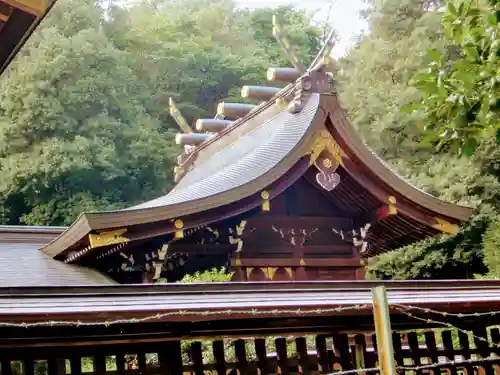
(295, 240)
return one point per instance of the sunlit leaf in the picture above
(469, 146)
(434, 54)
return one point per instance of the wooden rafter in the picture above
(34, 7)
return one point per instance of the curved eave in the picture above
(240, 170)
(380, 172)
(17, 22)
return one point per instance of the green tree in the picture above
(375, 80)
(73, 134)
(85, 101)
(460, 95)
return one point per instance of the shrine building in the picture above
(278, 188)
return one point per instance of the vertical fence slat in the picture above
(414, 350)
(430, 343)
(220, 359)
(360, 352)
(197, 357)
(495, 348)
(170, 357)
(463, 339)
(322, 352)
(483, 347)
(75, 364)
(341, 344)
(6, 368)
(282, 356)
(241, 357)
(495, 338)
(141, 358)
(374, 357)
(120, 363)
(29, 366)
(261, 352)
(449, 351)
(304, 363)
(56, 366)
(100, 364)
(398, 349)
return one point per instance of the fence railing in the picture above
(446, 341)
(312, 354)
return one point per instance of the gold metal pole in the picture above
(383, 330)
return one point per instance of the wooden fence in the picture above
(313, 354)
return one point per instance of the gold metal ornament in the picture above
(445, 226)
(266, 206)
(325, 141)
(108, 238)
(179, 225)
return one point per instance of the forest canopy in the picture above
(84, 125)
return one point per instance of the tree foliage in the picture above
(83, 119)
(460, 87)
(405, 38)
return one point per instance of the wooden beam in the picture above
(35, 7)
(234, 110)
(314, 262)
(264, 93)
(190, 139)
(5, 12)
(299, 222)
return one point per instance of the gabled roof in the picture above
(18, 20)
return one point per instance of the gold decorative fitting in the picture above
(220, 108)
(325, 141)
(302, 262)
(327, 163)
(445, 226)
(271, 272)
(179, 233)
(271, 74)
(289, 272)
(107, 238)
(393, 210)
(249, 272)
(199, 125)
(244, 92)
(265, 201)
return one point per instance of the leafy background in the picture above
(84, 125)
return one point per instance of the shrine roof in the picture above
(18, 20)
(239, 306)
(22, 264)
(246, 159)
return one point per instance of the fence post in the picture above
(383, 331)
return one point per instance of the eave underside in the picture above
(18, 20)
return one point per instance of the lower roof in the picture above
(23, 264)
(223, 301)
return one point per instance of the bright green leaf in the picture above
(492, 20)
(434, 54)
